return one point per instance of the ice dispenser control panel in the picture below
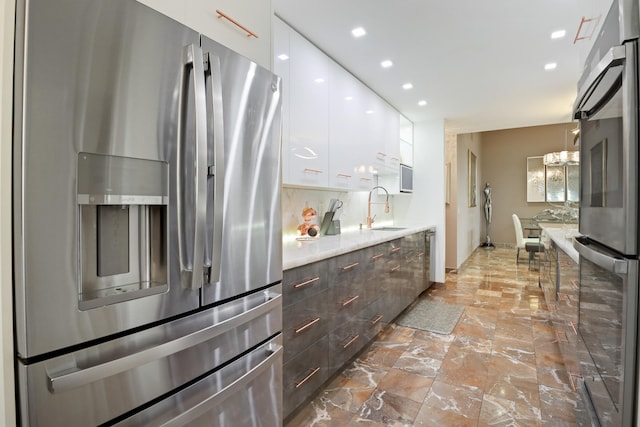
(122, 204)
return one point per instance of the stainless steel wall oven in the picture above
(607, 107)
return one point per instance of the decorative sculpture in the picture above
(487, 215)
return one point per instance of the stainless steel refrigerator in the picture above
(147, 236)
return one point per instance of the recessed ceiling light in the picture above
(422, 103)
(358, 32)
(386, 63)
(369, 112)
(407, 86)
(550, 66)
(319, 80)
(348, 98)
(283, 57)
(558, 34)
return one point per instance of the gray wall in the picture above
(504, 166)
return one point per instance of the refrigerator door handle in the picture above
(70, 379)
(216, 171)
(191, 270)
(611, 264)
(614, 57)
(235, 387)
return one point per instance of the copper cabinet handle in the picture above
(377, 319)
(574, 283)
(396, 268)
(573, 375)
(307, 326)
(351, 341)
(307, 378)
(365, 179)
(381, 154)
(350, 300)
(347, 267)
(375, 257)
(573, 326)
(395, 249)
(343, 175)
(233, 21)
(306, 282)
(312, 170)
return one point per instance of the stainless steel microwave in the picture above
(406, 178)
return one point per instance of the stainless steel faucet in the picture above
(369, 203)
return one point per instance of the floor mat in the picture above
(432, 316)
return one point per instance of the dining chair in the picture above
(521, 241)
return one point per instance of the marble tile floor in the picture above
(501, 366)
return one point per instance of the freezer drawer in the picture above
(130, 371)
(248, 392)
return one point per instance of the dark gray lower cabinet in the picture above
(334, 307)
(559, 279)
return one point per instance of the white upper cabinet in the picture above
(337, 133)
(308, 147)
(250, 35)
(406, 141)
(348, 168)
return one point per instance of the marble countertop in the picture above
(296, 253)
(562, 235)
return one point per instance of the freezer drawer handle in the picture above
(611, 264)
(82, 377)
(232, 389)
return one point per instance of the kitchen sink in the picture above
(389, 228)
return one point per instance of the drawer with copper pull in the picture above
(303, 282)
(303, 374)
(304, 323)
(344, 343)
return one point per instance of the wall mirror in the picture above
(472, 180)
(553, 183)
(535, 179)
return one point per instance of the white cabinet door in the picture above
(346, 132)
(308, 148)
(391, 131)
(281, 67)
(382, 123)
(201, 15)
(406, 141)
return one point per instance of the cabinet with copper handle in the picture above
(305, 373)
(303, 282)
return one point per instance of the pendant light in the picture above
(565, 157)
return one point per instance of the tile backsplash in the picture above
(352, 214)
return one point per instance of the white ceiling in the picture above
(478, 64)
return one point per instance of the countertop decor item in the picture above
(309, 227)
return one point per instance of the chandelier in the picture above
(565, 157)
(562, 158)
